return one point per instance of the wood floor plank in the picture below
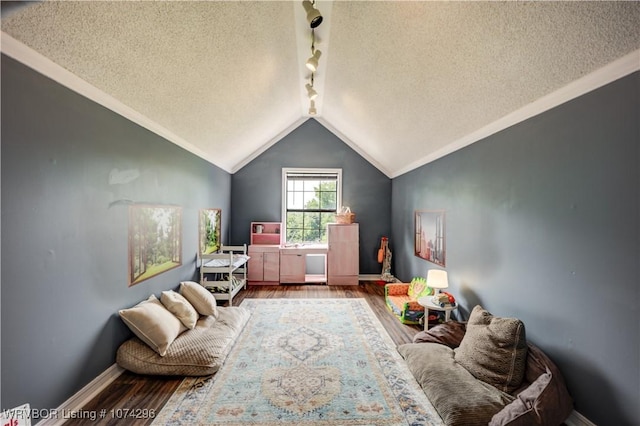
(132, 394)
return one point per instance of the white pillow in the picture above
(199, 297)
(180, 307)
(153, 324)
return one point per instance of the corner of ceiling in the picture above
(275, 139)
(330, 127)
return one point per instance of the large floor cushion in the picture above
(458, 396)
(197, 352)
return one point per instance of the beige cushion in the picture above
(153, 324)
(199, 297)
(494, 350)
(180, 307)
(197, 352)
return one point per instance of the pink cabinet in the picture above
(266, 233)
(264, 264)
(343, 262)
(292, 266)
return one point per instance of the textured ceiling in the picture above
(401, 82)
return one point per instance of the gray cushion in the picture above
(494, 350)
(459, 398)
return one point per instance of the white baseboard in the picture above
(74, 404)
(577, 419)
(372, 277)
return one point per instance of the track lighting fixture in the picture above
(313, 15)
(314, 18)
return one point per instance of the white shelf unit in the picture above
(228, 268)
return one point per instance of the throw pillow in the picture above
(526, 409)
(418, 288)
(179, 306)
(199, 297)
(153, 324)
(494, 350)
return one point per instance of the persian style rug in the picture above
(305, 361)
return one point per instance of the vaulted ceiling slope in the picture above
(403, 83)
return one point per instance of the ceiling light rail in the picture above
(314, 18)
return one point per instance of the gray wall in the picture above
(257, 187)
(543, 223)
(64, 231)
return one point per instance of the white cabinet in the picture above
(343, 261)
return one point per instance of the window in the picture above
(310, 200)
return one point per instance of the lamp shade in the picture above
(437, 279)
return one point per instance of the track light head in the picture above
(311, 92)
(313, 15)
(312, 108)
(312, 62)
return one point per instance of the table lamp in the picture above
(437, 279)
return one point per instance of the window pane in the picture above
(311, 220)
(328, 200)
(297, 201)
(310, 200)
(311, 236)
(294, 235)
(294, 220)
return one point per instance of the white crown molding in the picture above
(353, 146)
(297, 123)
(609, 73)
(615, 70)
(29, 57)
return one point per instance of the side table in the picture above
(429, 305)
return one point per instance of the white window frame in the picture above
(291, 170)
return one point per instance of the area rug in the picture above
(305, 361)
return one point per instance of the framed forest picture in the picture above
(155, 240)
(429, 236)
(209, 226)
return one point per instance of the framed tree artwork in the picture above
(155, 241)
(430, 236)
(209, 229)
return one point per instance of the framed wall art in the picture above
(155, 241)
(430, 236)
(209, 229)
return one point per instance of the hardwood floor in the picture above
(133, 394)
